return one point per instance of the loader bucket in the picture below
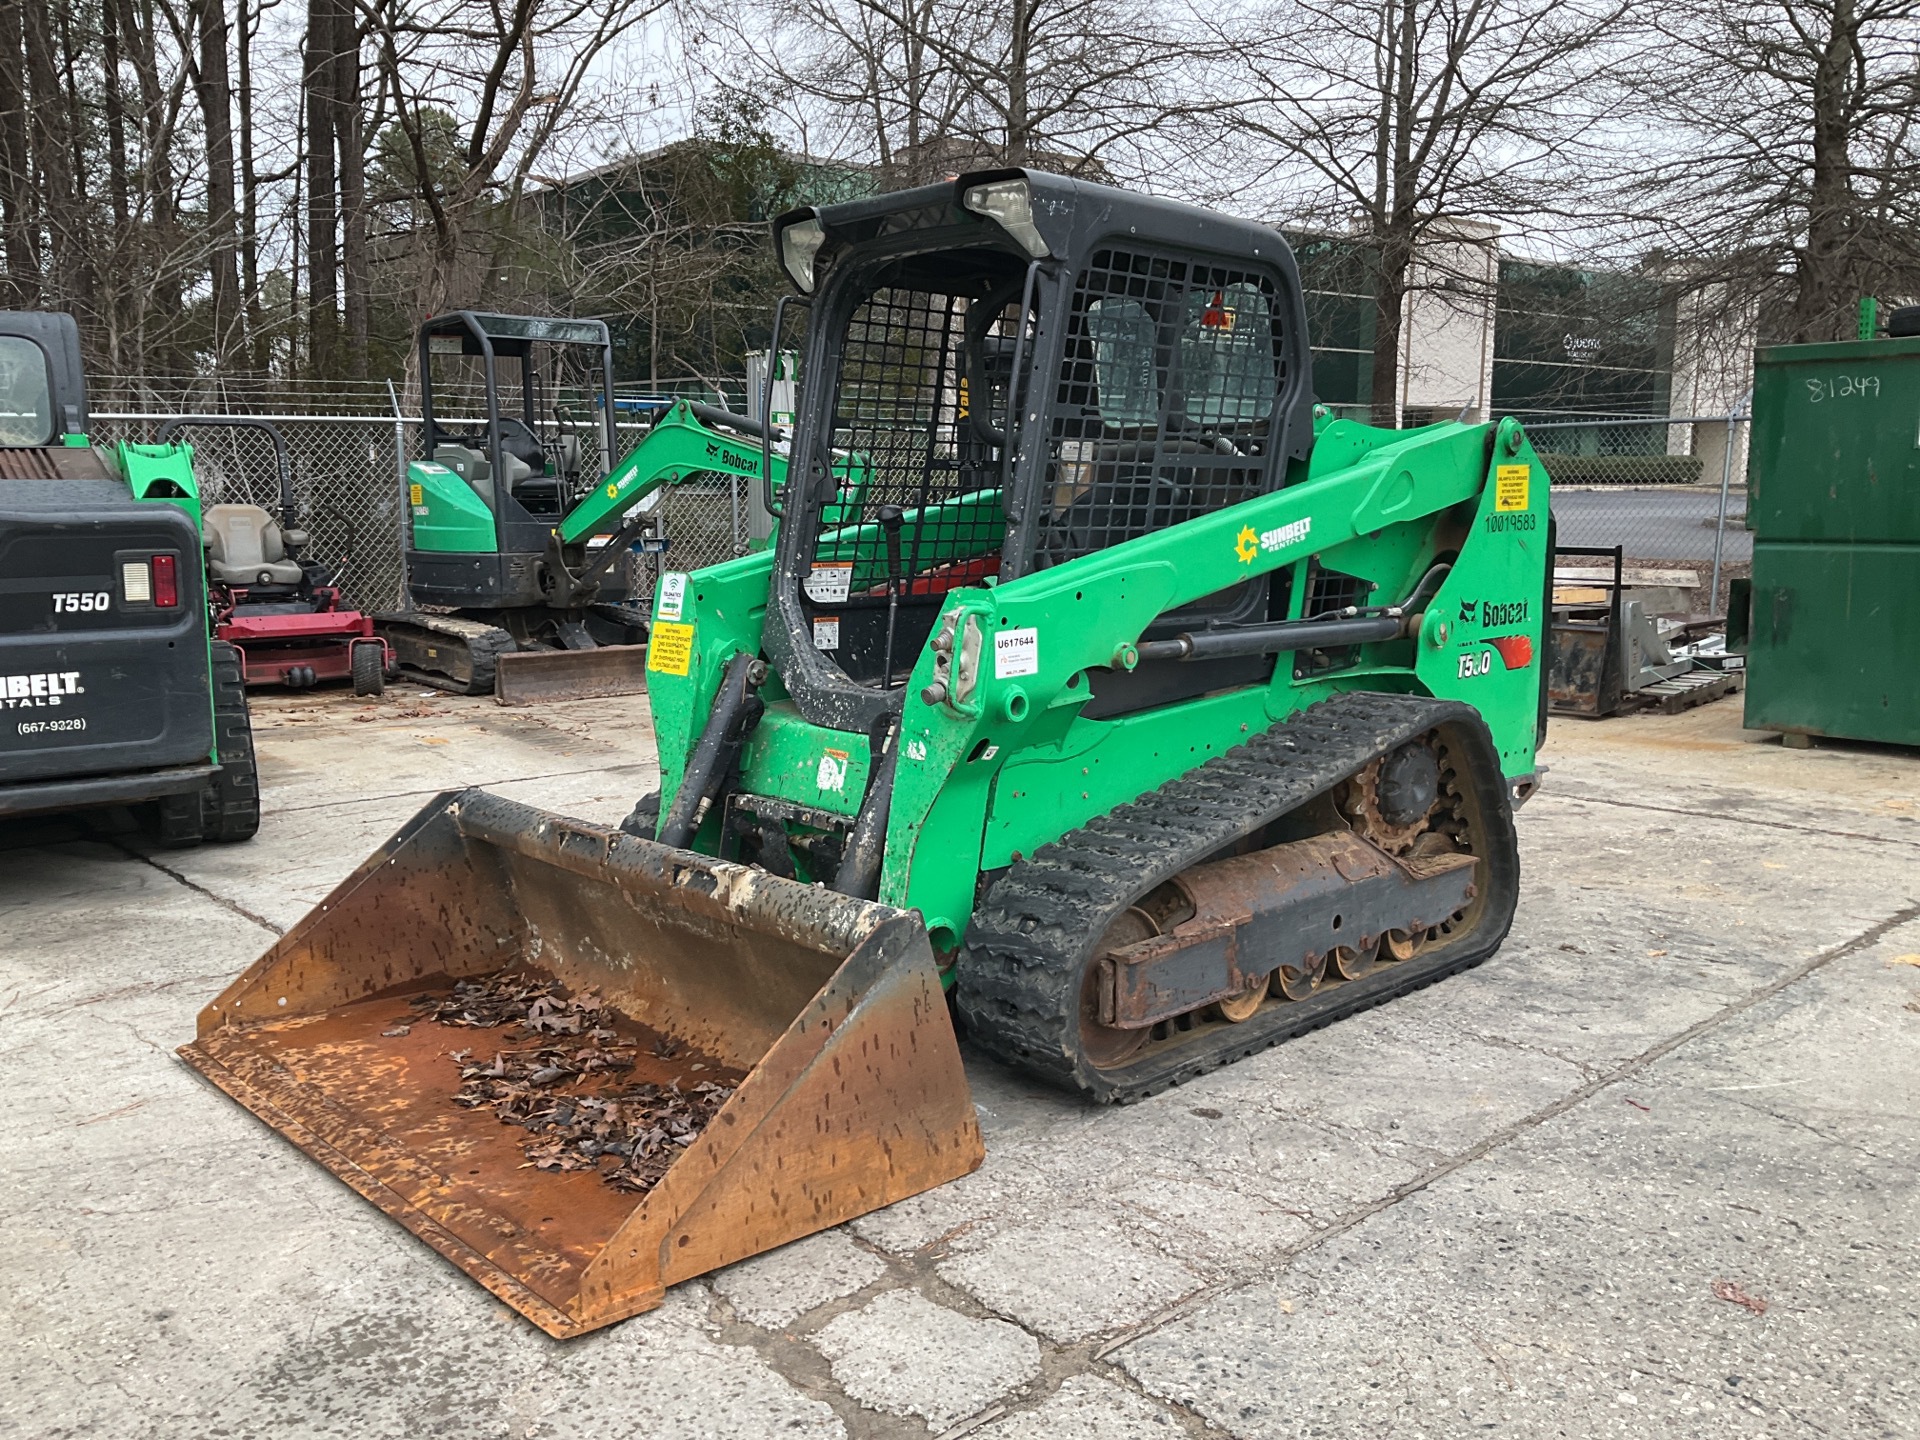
(823, 1014)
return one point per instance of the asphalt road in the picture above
(1648, 1171)
(1654, 524)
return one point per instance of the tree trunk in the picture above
(1019, 56)
(216, 114)
(17, 206)
(120, 248)
(249, 205)
(323, 213)
(1389, 314)
(1824, 273)
(157, 257)
(348, 119)
(47, 135)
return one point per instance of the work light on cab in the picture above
(799, 243)
(1009, 204)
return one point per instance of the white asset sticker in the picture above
(1015, 653)
(832, 774)
(830, 582)
(673, 594)
(826, 632)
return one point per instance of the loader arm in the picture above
(680, 445)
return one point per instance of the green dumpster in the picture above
(1831, 617)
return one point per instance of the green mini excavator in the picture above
(519, 530)
(1099, 688)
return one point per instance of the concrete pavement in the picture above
(1647, 1172)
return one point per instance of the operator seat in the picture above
(246, 546)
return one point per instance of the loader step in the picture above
(1020, 974)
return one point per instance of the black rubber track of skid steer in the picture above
(1019, 975)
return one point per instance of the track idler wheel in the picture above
(1298, 982)
(1405, 944)
(1354, 962)
(1240, 1008)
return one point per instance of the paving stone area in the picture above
(1647, 1172)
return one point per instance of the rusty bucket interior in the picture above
(811, 1027)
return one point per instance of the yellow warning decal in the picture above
(415, 496)
(1510, 486)
(670, 648)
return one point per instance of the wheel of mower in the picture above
(369, 677)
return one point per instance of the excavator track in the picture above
(1046, 919)
(446, 651)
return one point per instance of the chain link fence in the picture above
(348, 483)
(1670, 491)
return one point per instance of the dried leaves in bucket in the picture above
(629, 1136)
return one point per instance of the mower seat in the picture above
(245, 546)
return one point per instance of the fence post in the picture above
(404, 600)
(1726, 483)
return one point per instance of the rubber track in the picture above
(232, 808)
(485, 644)
(1027, 945)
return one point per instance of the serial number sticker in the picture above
(1016, 653)
(50, 727)
(670, 648)
(1510, 486)
(830, 582)
(673, 594)
(826, 632)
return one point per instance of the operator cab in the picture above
(532, 460)
(1033, 369)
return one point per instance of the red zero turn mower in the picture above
(281, 609)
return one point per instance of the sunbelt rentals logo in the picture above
(39, 690)
(1249, 543)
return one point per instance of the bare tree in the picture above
(479, 92)
(1784, 171)
(922, 88)
(1408, 124)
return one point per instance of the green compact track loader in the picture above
(112, 691)
(521, 524)
(1096, 680)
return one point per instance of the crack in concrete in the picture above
(348, 802)
(1813, 1130)
(1733, 819)
(221, 900)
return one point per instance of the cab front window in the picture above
(26, 401)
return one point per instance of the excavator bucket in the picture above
(584, 1066)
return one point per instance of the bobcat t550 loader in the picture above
(1130, 705)
(111, 690)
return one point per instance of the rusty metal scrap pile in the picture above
(630, 1136)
